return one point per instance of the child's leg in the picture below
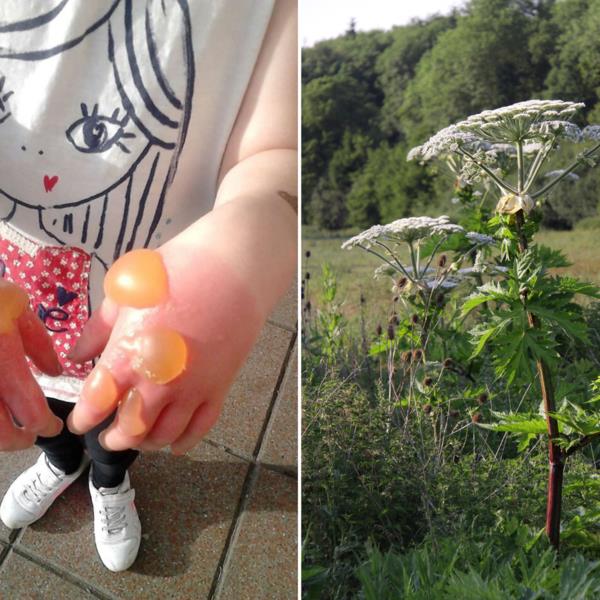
(65, 450)
(108, 467)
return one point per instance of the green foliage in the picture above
(509, 562)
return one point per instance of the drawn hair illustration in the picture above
(149, 46)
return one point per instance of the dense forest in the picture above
(369, 97)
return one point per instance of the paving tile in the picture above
(264, 559)
(186, 507)
(281, 444)
(286, 311)
(13, 464)
(246, 407)
(23, 579)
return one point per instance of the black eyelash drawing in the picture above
(97, 133)
(4, 96)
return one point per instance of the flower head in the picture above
(411, 229)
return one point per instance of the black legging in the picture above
(65, 450)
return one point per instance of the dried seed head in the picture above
(448, 362)
(396, 298)
(439, 300)
(362, 299)
(406, 357)
(307, 276)
(442, 261)
(428, 381)
(427, 408)
(482, 399)
(390, 331)
(379, 330)
(454, 414)
(415, 319)
(307, 254)
(394, 320)
(476, 417)
(417, 354)
(401, 282)
(307, 306)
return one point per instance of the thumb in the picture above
(96, 332)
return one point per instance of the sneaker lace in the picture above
(113, 519)
(38, 489)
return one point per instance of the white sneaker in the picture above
(117, 527)
(33, 492)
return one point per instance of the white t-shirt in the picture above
(114, 116)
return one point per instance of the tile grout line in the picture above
(47, 565)
(292, 328)
(251, 478)
(290, 471)
(14, 546)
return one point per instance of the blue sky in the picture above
(322, 19)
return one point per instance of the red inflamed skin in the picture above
(24, 412)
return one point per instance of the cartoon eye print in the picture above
(4, 96)
(95, 133)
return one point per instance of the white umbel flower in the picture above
(479, 239)
(409, 230)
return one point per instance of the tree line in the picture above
(368, 97)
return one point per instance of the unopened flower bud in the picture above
(307, 276)
(390, 332)
(448, 362)
(307, 254)
(415, 319)
(379, 330)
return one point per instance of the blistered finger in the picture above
(202, 421)
(96, 333)
(98, 400)
(134, 419)
(37, 344)
(20, 390)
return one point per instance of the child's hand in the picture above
(21, 398)
(218, 301)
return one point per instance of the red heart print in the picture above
(50, 182)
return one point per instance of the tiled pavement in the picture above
(219, 523)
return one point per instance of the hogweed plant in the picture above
(528, 311)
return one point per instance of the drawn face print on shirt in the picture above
(74, 146)
(95, 101)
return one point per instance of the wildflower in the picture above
(510, 204)
(479, 239)
(410, 229)
(591, 132)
